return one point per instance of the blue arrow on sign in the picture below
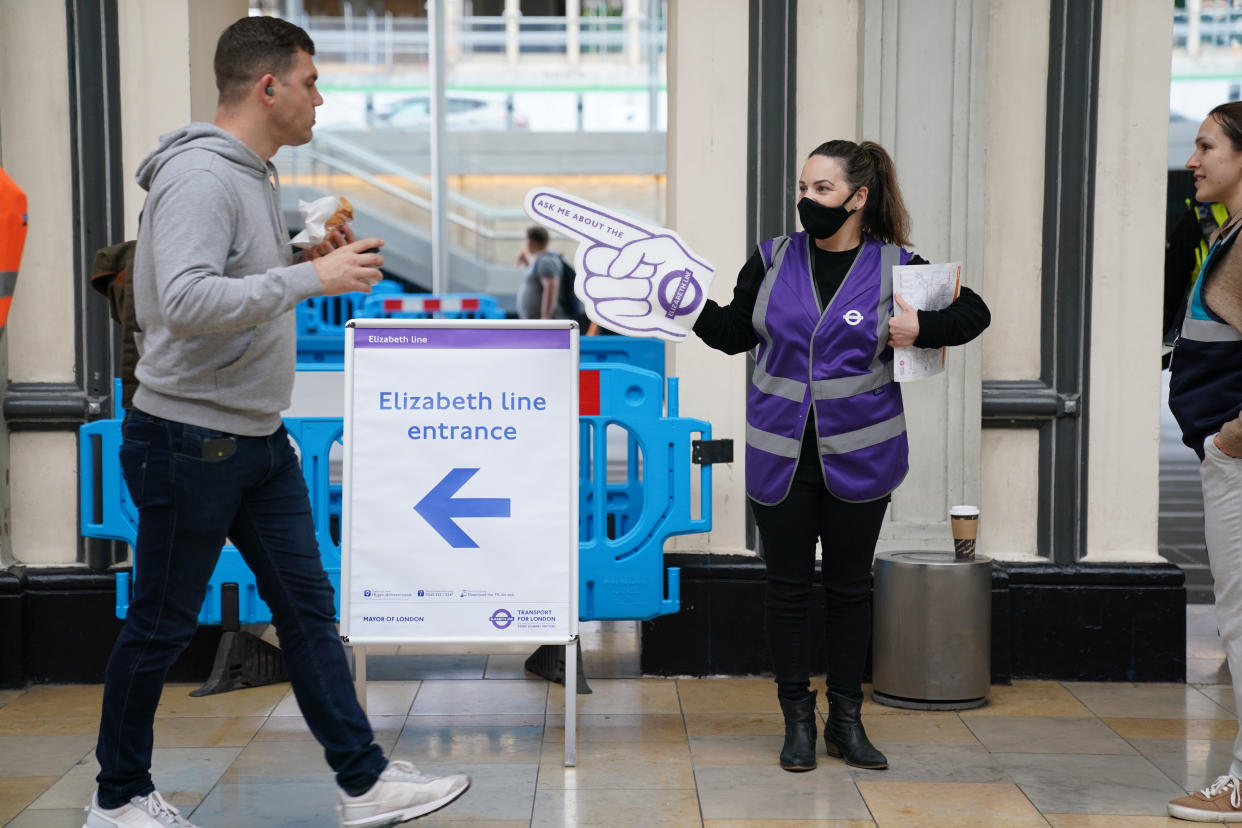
(439, 507)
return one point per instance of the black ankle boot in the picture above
(798, 754)
(844, 735)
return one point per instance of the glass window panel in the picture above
(531, 100)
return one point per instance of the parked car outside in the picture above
(463, 111)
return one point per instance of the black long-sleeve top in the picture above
(730, 328)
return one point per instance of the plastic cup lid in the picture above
(964, 511)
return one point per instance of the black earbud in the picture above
(270, 91)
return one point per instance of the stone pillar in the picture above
(1013, 243)
(931, 116)
(35, 149)
(1127, 275)
(631, 13)
(513, 14)
(573, 23)
(707, 111)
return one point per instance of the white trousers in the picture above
(1222, 529)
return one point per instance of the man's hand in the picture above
(349, 268)
(903, 328)
(337, 238)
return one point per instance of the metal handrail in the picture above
(384, 165)
(372, 159)
(410, 198)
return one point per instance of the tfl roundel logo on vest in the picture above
(852, 317)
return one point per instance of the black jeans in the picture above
(848, 533)
(187, 504)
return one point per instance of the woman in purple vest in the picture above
(825, 430)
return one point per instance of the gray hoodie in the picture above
(214, 286)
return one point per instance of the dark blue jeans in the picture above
(187, 505)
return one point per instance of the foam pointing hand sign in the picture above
(632, 278)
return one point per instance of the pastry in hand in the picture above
(343, 215)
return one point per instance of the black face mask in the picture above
(820, 221)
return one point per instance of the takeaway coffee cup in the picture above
(965, 523)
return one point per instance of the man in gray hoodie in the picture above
(205, 453)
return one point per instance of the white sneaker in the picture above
(150, 811)
(401, 793)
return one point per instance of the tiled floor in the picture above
(650, 751)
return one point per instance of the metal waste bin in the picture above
(933, 630)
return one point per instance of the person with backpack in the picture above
(541, 284)
(825, 435)
(568, 305)
(541, 262)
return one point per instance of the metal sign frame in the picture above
(512, 330)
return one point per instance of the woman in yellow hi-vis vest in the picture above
(1185, 248)
(12, 240)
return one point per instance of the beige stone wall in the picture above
(827, 101)
(929, 109)
(36, 152)
(155, 85)
(1012, 264)
(34, 102)
(165, 50)
(707, 81)
(167, 79)
(1127, 279)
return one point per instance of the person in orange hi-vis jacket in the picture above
(12, 239)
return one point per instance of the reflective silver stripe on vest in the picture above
(864, 437)
(787, 389)
(1207, 330)
(8, 281)
(890, 256)
(772, 443)
(841, 387)
(760, 314)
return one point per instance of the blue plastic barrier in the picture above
(645, 353)
(432, 306)
(321, 321)
(105, 507)
(109, 512)
(621, 568)
(624, 498)
(623, 525)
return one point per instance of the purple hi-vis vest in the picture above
(835, 365)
